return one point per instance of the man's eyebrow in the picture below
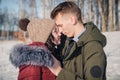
(58, 24)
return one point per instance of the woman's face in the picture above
(56, 35)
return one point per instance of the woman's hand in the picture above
(56, 68)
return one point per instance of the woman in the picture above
(33, 59)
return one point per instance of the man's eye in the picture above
(59, 26)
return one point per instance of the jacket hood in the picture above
(92, 33)
(22, 54)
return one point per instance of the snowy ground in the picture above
(113, 55)
(9, 72)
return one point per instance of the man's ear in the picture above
(73, 20)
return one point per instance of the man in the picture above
(83, 54)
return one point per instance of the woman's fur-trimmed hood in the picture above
(30, 55)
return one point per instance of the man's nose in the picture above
(60, 30)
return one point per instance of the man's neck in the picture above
(79, 27)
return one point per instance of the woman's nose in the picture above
(59, 33)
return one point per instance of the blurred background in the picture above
(104, 13)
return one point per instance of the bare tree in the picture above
(1, 21)
(47, 2)
(52, 4)
(101, 7)
(111, 24)
(43, 8)
(5, 30)
(96, 12)
(22, 9)
(82, 8)
(78, 3)
(46, 8)
(116, 14)
(106, 11)
(87, 11)
(92, 11)
(119, 14)
(114, 19)
(33, 8)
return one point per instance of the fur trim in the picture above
(30, 55)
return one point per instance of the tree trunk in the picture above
(43, 8)
(119, 15)
(92, 11)
(87, 11)
(47, 8)
(53, 4)
(116, 14)
(33, 8)
(104, 28)
(111, 24)
(22, 9)
(114, 19)
(106, 11)
(82, 9)
(78, 3)
(96, 10)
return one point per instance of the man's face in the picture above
(63, 22)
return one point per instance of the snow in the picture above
(7, 70)
(112, 50)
